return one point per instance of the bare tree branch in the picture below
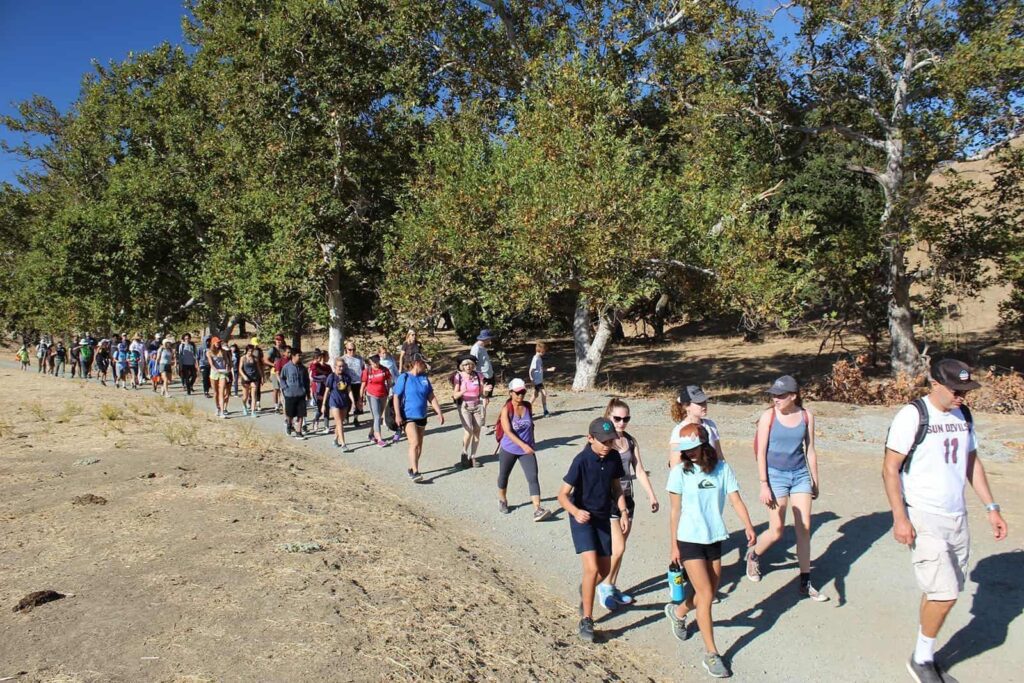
(685, 266)
(671, 20)
(501, 11)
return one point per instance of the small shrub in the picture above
(847, 383)
(250, 438)
(179, 434)
(68, 411)
(38, 410)
(110, 413)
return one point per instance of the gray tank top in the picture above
(627, 466)
(786, 445)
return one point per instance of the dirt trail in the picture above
(185, 573)
(420, 596)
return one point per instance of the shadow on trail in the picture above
(998, 601)
(556, 441)
(834, 564)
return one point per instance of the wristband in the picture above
(992, 507)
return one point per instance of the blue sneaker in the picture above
(606, 596)
(621, 597)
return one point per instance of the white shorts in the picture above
(940, 553)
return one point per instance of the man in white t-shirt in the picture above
(926, 494)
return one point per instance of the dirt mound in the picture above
(194, 578)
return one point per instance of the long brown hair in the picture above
(613, 404)
(704, 456)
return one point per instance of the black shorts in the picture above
(488, 388)
(422, 421)
(699, 551)
(295, 406)
(630, 505)
(595, 535)
(538, 387)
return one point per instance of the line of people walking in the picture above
(598, 492)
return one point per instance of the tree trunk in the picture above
(212, 302)
(336, 315)
(589, 351)
(903, 352)
(660, 314)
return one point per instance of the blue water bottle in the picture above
(675, 583)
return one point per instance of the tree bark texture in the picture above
(589, 351)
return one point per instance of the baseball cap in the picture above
(784, 385)
(215, 340)
(516, 385)
(689, 437)
(484, 335)
(255, 341)
(602, 429)
(954, 374)
(691, 393)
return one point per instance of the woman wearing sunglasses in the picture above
(517, 445)
(629, 450)
(691, 408)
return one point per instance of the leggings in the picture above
(377, 411)
(506, 461)
(188, 376)
(205, 370)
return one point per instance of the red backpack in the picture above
(803, 416)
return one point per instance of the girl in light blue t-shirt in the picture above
(698, 488)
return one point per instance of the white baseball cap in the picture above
(516, 385)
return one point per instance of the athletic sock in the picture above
(924, 651)
(805, 579)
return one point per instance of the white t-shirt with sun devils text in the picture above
(938, 470)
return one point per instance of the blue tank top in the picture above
(786, 445)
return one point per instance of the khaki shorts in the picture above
(940, 553)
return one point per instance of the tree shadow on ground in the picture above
(858, 535)
(998, 601)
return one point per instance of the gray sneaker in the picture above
(540, 514)
(678, 625)
(587, 629)
(924, 673)
(503, 507)
(753, 566)
(715, 667)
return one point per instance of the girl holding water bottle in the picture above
(698, 488)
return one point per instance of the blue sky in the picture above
(47, 45)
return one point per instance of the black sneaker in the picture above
(587, 629)
(924, 673)
(464, 461)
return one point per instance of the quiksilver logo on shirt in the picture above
(706, 484)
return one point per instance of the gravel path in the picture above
(766, 633)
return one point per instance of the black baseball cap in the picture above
(602, 429)
(954, 374)
(784, 385)
(691, 393)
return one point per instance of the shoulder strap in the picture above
(922, 431)
(967, 415)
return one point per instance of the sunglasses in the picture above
(616, 418)
(521, 392)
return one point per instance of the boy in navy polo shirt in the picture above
(590, 489)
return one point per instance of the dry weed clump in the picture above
(1000, 393)
(6, 429)
(178, 434)
(68, 411)
(110, 413)
(38, 410)
(848, 383)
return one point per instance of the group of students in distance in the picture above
(930, 457)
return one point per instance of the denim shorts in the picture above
(786, 482)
